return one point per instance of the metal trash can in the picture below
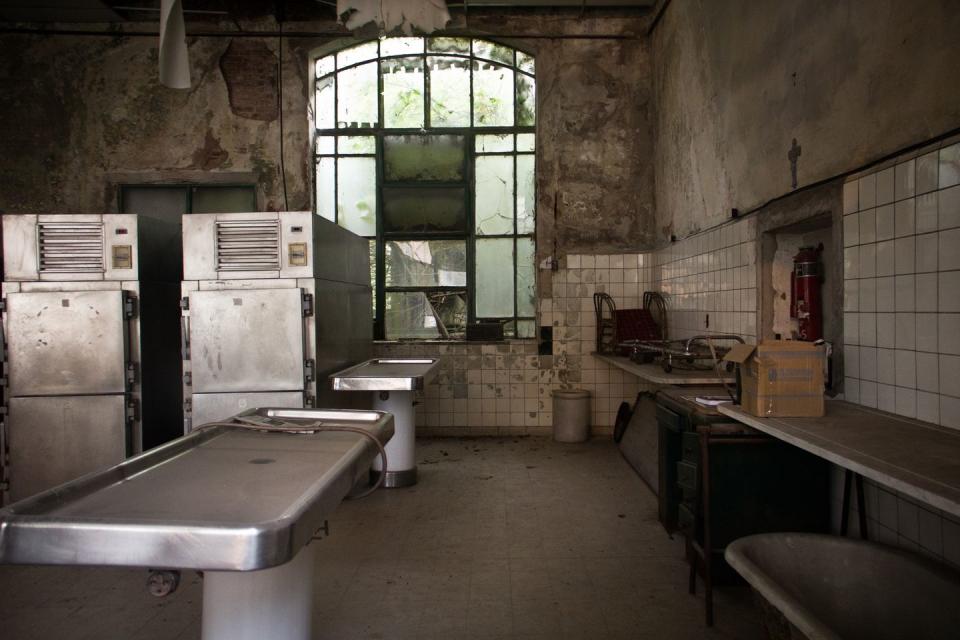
(571, 415)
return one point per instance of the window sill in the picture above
(457, 341)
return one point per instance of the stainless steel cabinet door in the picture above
(246, 340)
(63, 343)
(54, 440)
(208, 407)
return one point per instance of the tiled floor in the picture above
(502, 538)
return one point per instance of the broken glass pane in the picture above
(426, 263)
(416, 210)
(526, 328)
(353, 55)
(358, 145)
(326, 145)
(525, 141)
(408, 314)
(493, 51)
(400, 46)
(525, 62)
(497, 142)
(526, 277)
(357, 97)
(449, 92)
(423, 158)
(449, 45)
(492, 95)
(324, 66)
(526, 194)
(402, 92)
(494, 195)
(526, 101)
(326, 188)
(357, 195)
(323, 105)
(494, 277)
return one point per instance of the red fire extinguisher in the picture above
(805, 303)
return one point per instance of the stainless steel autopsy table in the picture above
(394, 380)
(242, 505)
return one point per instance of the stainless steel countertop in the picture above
(216, 499)
(386, 374)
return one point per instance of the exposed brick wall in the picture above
(249, 68)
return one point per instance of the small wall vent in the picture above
(248, 245)
(70, 247)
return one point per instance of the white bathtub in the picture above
(826, 587)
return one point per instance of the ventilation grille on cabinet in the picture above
(66, 247)
(248, 245)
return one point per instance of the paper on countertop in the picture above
(712, 401)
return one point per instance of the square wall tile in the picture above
(867, 226)
(851, 390)
(851, 295)
(885, 182)
(868, 329)
(926, 332)
(925, 214)
(948, 328)
(851, 233)
(886, 366)
(904, 180)
(885, 256)
(904, 260)
(851, 328)
(926, 252)
(886, 397)
(950, 415)
(906, 402)
(949, 249)
(851, 360)
(868, 191)
(905, 291)
(868, 294)
(886, 330)
(868, 393)
(928, 372)
(949, 165)
(927, 172)
(868, 260)
(868, 364)
(886, 296)
(926, 291)
(906, 331)
(948, 205)
(851, 197)
(906, 364)
(851, 262)
(949, 291)
(904, 223)
(885, 222)
(950, 376)
(928, 407)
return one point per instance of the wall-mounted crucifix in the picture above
(792, 156)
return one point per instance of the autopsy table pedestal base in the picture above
(401, 450)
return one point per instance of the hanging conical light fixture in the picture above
(174, 61)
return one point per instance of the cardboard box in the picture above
(780, 378)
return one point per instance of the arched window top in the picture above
(425, 83)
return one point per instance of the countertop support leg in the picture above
(251, 605)
(401, 449)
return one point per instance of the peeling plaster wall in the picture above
(737, 81)
(80, 111)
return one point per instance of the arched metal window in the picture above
(426, 147)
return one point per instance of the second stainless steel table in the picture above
(393, 381)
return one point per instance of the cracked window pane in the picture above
(357, 97)
(494, 277)
(423, 158)
(526, 101)
(492, 95)
(353, 55)
(418, 210)
(402, 93)
(493, 195)
(525, 62)
(449, 45)
(526, 277)
(357, 145)
(324, 66)
(449, 92)
(323, 104)
(357, 195)
(526, 194)
(493, 51)
(400, 46)
(326, 188)
(408, 314)
(494, 143)
(426, 263)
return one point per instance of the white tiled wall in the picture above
(901, 231)
(902, 287)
